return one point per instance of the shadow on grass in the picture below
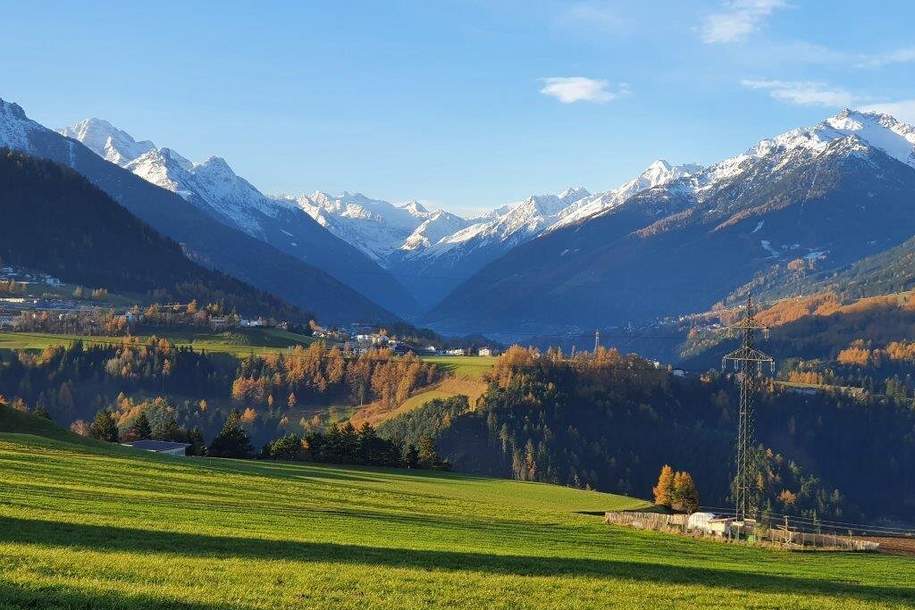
(58, 597)
(100, 538)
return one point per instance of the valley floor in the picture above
(93, 526)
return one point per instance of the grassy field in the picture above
(84, 525)
(375, 414)
(471, 367)
(239, 342)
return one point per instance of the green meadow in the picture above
(88, 525)
(239, 342)
(470, 367)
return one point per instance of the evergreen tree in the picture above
(411, 457)
(232, 441)
(167, 429)
(140, 429)
(103, 427)
(198, 444)
(428, 452)
(287, 447)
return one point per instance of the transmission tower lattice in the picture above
(748, 362)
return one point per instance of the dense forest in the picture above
(199, 390)
(55, 221)
(611, 422)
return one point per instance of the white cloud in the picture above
(594, 14)
(737, 20)
(804, 93)
(570, 89)
(899, 56)
(904, 110)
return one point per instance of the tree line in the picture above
(611, 421)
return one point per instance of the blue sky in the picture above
(465, 105)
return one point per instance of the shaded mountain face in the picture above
(213, 187)
(207, 241)
(431, 252)
(827, 196)
(55, 221)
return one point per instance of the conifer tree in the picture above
(664, 489)
(140, 429)
(232, 441)
(103, 427)
(198, 444)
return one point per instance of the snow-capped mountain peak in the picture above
(846, 131)
(107, 141)
(416, 208)
(660, 172)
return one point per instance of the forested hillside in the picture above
(57, 222)
(180, 388)
(611, 422)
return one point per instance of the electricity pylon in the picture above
(748, 362)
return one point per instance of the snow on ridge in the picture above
(211, 183)
(15, 126)
(861, 129)
(107, 141)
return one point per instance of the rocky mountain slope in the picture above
(826, 196)
(211, 243)
(213, 187)
(55, 221)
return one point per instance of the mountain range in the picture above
(792, 214)
(203, 237)
(380, 247)
(819, 198)
(56, 221)
(214, 188)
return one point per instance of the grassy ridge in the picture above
(90, 526)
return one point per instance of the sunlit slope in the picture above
(90, 526)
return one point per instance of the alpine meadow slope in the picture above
(107, 527)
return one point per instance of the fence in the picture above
(647, 521)
(790, 537)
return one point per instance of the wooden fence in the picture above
(647, 521)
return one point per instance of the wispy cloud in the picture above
(571, 89)
(595, 14)
(899, 56)
(805, 93)
(737, 19)
(904, 110)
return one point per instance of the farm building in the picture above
(488, 351)
(163, 447)
(709, 523)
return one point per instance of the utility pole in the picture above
(596, 340)
(748, 361)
